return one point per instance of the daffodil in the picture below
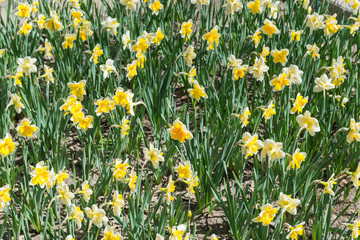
(296, 159)
(15, 100)
(186, 29)
(192, 182)
(295, 35)
(244, 116)
(323, 84)
(69, 41)
(119, 169)
(315, 21)
(23, 10)
(309, 123)
(178, 131)
(156, 6)
(294, 74)
(132, 181)
(109, 234)
(47, 49)
(255, 6)
(96, 215)
(331, 26)
(96, 53)
(7, 145)
(26, 65)
(295, 232)
(312, 50)
(129, 4)
(64, 194)
(233, 6)
(299, 104)
(280, 82)
(256, 37)
(177, 232)
(54, 24)
(280, 56)
(272, 150)
(184, 170)
(269, 28)
(86, 191)
(25, 128)
(170, 188)
(197, 91)
(328, 186)
(117, 203)
(4, 197)
(154, 155)
(250, 144)
(159, 36)
(268, 111)
(287, 204)
(108, 68)
(77, 89)
(259, 68)
(354, 133)
(61, 176)
(267, 214)
(126, 40)
(111, 25)
(212, 38)
(104, 106)
(131, 70)
(40, 175)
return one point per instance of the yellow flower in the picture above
(40, 175)
(233, 6)
(77, 214)
(69, 102)
(331, 26)
(259, 68)
(328, 186)
(309, 123)
(61, 176)
(294, 74)
(75, 108)
(53, 23)
(177, 232)
(184, 170)
(47, 49)
(268, 111)
(355, 229)
(124, 126)
(239, 72)
(119, 169)
(77, 115)
(41, 21)
(287, 204)
(191, 75)
(264, 53)
(315, 21)
(212, 37)
(299, 104)
(132, 181)
(4, 196)
(186, 29)
(154, 155)
(69, 41)
(86, 191)
(156, 7)
(280, 56)
(197, 92)
(104, 106)
(7, 145)
(96, 215)
(141, 45)
(158, 37)
(266, 215)
(269, 28)
(48, 74)
(272, 150)
(295, 232)
(312, 50)
(25, 29)
(255, 6)
(85, 122)
(17, 77)
(257, 37)
(214, 237)
(354, 131)
(170, 188)
(64, 194)
(129, 4)
(192, 182)
(178, 131)
(337, 71)
(110, 24)
(23, 10)
(355, 176)
(117, 203)
(296, 159)
(131, 70)
(233, 62)
(15, 100)
(244, 116)
(189, 55)
(250, 144)
(77, 89)
(126, 40)
(295, 35)
(109, 234)
(25, 129)
(280, 82)
(97, 52)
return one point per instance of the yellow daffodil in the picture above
(178, 131)
(96, 215)
(296, 159)
(309, 123)
(267, 214)
(25, 128)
